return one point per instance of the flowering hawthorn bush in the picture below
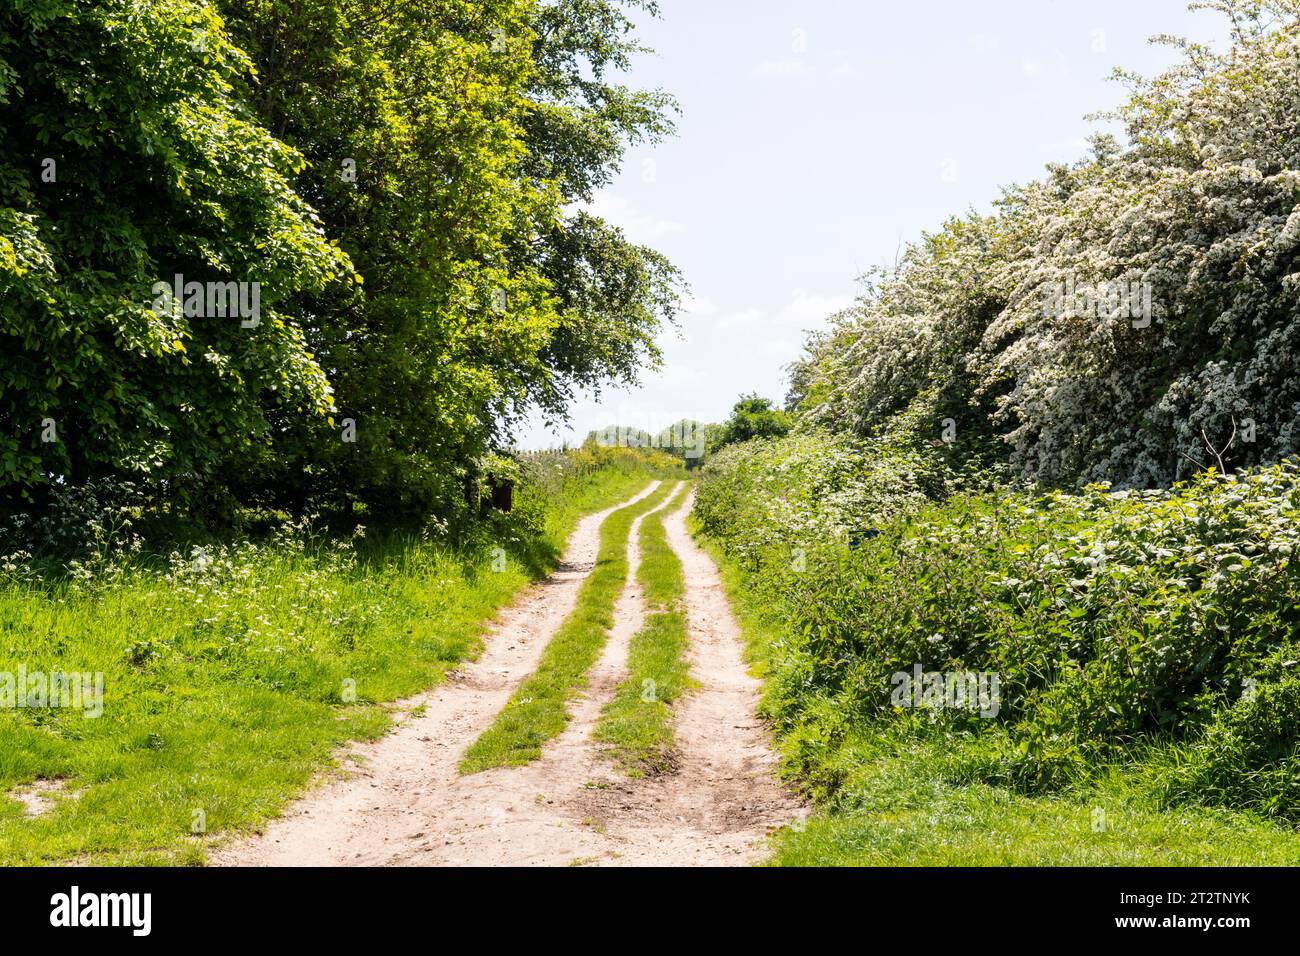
(1200, 210)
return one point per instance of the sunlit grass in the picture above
(637, 721)
(898, 807)
(233, 674)
(538, 710)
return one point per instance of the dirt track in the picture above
(402, 802)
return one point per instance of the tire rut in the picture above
(404, 803)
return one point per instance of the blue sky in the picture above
(817, 137)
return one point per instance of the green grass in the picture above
(637, 721)
(538, 710)
(899, 799)
(899, 806)
(225, 678)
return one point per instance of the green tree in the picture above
(126, 159)
(688, 439)
(618, 436)
(612, 294)
(1130, 318)
(445, 140)
(751, 417)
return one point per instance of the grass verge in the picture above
(898, 799)
(538, 709)
(636, 723)
(233, 674)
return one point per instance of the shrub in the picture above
(751, 417)
(1115, 620)
(1249, 755)
(1198, 213)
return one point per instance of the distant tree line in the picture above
(693, 441)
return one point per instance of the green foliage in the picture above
(1117, 622)
(686, 439)
(547, 473)
(1249, 754)
(894, 797)
(126, 158)
(1178, 350)
(898, 806)
(226, 662)
(401, 185)
(768, 498)
(618, 436)
(751, 417)
(1146, 630)
(454, 137)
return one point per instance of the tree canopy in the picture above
(751, 417)
(126, 159)
(398, 186)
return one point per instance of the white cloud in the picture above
(641, 228)
(741, 319)
(643, 413)
(798, 68)
(784, 349)
(698, 305)
(1033, 68)
(1056, 150)
(805, 311)
(676, 373)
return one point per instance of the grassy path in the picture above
(404, 790)
(407, 802)
(637, 722)
(538, 710)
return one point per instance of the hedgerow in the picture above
(1056, 446)
(1120, 623)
